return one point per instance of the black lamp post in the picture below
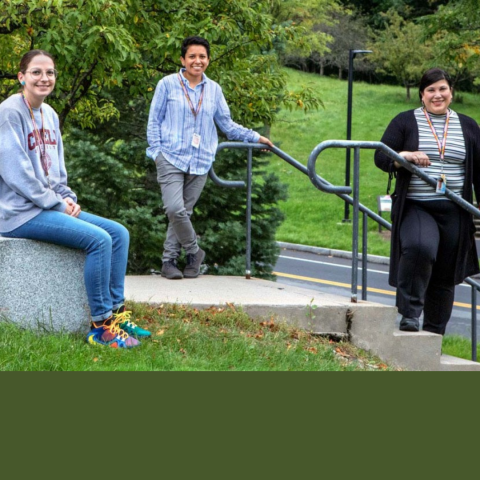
(351, 56)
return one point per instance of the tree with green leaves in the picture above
(455, 34)
(348, 31)
(400, 50)
(306, 14)
(407, 9)
(101, 44)
(110, 55)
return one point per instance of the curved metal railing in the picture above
(248, 184)
(357, 146)
(344, 193)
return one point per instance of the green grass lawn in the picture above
(186, 339)
(458, 346)
(313, 217)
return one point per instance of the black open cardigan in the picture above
(402, 135)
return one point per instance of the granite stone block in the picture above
(42, 286)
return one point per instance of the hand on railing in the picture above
(266, 141)
(418, 158)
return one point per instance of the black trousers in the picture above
(429, 239)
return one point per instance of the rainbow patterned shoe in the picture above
(112, 336)
(124, 322)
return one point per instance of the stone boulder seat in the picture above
(42, 286)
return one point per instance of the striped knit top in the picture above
(453, 163)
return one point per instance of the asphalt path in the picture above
(334, 275)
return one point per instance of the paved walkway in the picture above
(207, 290)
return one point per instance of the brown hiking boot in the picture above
(194, 261)
(170, 270)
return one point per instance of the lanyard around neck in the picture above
(189, 100)
(441, 145)
(39, 136)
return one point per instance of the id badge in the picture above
(196, 140)
(441, 184)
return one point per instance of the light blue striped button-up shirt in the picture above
(171, 124)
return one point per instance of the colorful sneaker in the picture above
(124, 322)
(111, 335)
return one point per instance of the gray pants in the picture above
(180, 193)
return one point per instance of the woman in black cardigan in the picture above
(433, 245)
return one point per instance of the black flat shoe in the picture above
(409, 324)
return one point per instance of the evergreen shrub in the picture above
(113, 178)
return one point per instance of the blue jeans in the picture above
(106, 243)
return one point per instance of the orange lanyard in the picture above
(441, 145)
(39, 136)
(189, 100)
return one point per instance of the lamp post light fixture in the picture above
(351, 56)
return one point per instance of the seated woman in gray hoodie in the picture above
(36, 203)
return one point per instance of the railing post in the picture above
(356, 209)
(474, 324)
(364, 256)
(351, 56)
(248, 270)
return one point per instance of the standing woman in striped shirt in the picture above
(432, 244)
(182, 139)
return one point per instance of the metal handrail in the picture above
(389, 152)
(357, 145)
(343, 192)
(248, 184)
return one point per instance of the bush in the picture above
(220, 217)
(114, 179)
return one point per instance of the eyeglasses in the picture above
(37, 73)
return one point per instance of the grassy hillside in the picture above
(314, 217)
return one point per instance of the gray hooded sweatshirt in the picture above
(24, 189)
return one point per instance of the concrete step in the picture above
(413, 350)
(449, 364)
(367, 325)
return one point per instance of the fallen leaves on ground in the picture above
(228, 320)
(342, 353)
